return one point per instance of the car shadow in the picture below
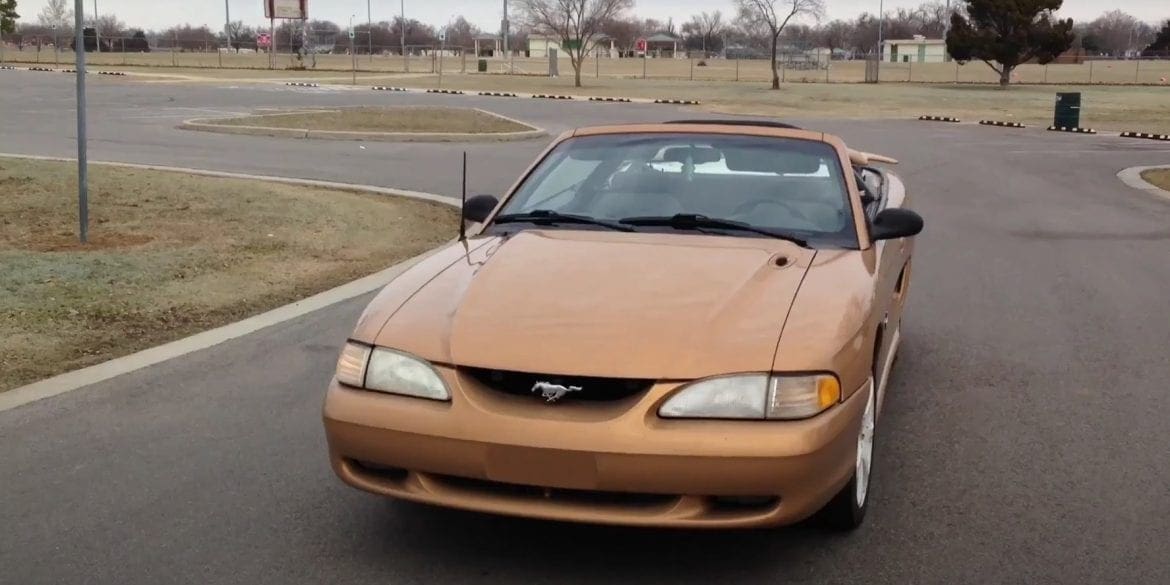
(467, 545)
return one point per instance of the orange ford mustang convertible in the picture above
(687, 324)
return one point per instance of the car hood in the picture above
(591, 303)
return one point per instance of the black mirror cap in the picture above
(894, 223)
(479, 207)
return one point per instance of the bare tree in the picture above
(775, 15)
(1115, 32)
(707, 26)
(576, 23)
(57, 14)
(836, 34)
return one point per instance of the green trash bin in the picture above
(482, 66)
(1068, 110)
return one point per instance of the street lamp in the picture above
(369, 31)
(97, 32)
(881, 52)
(402, 25)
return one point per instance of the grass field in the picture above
(395, 119)
(716, 69)
(173, 254)
(1135, 108)
(1158, 177)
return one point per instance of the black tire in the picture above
(843, 513)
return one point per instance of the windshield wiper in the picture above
(548, 216)
(690, 221)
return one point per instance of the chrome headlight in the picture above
(754, 396)
(385, 370)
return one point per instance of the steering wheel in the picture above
(752, 205)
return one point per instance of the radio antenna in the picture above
(463, 201)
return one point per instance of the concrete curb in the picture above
(76, 379)
(1146, 136)
(209, 125)
(938, 119)
(1001, 124)
(1133, 178)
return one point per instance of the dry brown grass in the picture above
(386, 119)
(716, 69)
(1158, 177)
(173, 254)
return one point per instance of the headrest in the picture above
(765, 160)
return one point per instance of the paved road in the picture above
(1025, 439)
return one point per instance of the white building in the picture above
(916, 50)
(540, 45)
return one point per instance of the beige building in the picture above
(916, 50)
(540, 45)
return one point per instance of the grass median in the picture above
(408, 119)
(1158, 177)
(171, 254)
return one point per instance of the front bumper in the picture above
(610, 463)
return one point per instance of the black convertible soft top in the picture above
(738, 122)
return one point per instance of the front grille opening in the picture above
(588, 388)
(384, 472)
(569, 496)
(743, 503)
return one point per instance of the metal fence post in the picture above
(123, 51)
(910, 73)
(643, 65)
(1090, 71)
(597, 66)
(692, 60)
(737, 69)
(175, 46)
(1137, 69)
(1046, 73)
(956, 71)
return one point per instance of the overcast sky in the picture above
(159, 14)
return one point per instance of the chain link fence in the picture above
(332, 52)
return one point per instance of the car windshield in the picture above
(782, 185)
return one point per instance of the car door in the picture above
(883, 190)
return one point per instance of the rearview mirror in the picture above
(894, 223)
(478, 208)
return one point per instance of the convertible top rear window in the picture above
(780, 184)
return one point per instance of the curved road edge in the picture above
(76, 379)
(1133, 178)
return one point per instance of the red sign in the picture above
(641, 45)
(262, 40)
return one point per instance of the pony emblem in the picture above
(553, 392)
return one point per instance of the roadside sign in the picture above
(443, 35)
(295, 9)
(641, 45)
(263, 40)
(351, 33)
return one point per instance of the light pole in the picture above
(881, 53)
(402, 25)
(369, 31)
(97, 33)
(56, 48)
(504, 29)
(352, 52)
(227, 24)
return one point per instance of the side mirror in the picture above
(894, 223)
(478, 208)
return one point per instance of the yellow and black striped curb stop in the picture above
(1001, 124)
(545, 96)
(609, 99)
(498, 93)
(446, 91)
(123, 74)
(300, 84)
(1072, 130)
(388, 88)
(938, 118)
(40, 69)
(8, 67)
(678, 102)
(1145, 135)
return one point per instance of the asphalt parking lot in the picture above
(1024, 439)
